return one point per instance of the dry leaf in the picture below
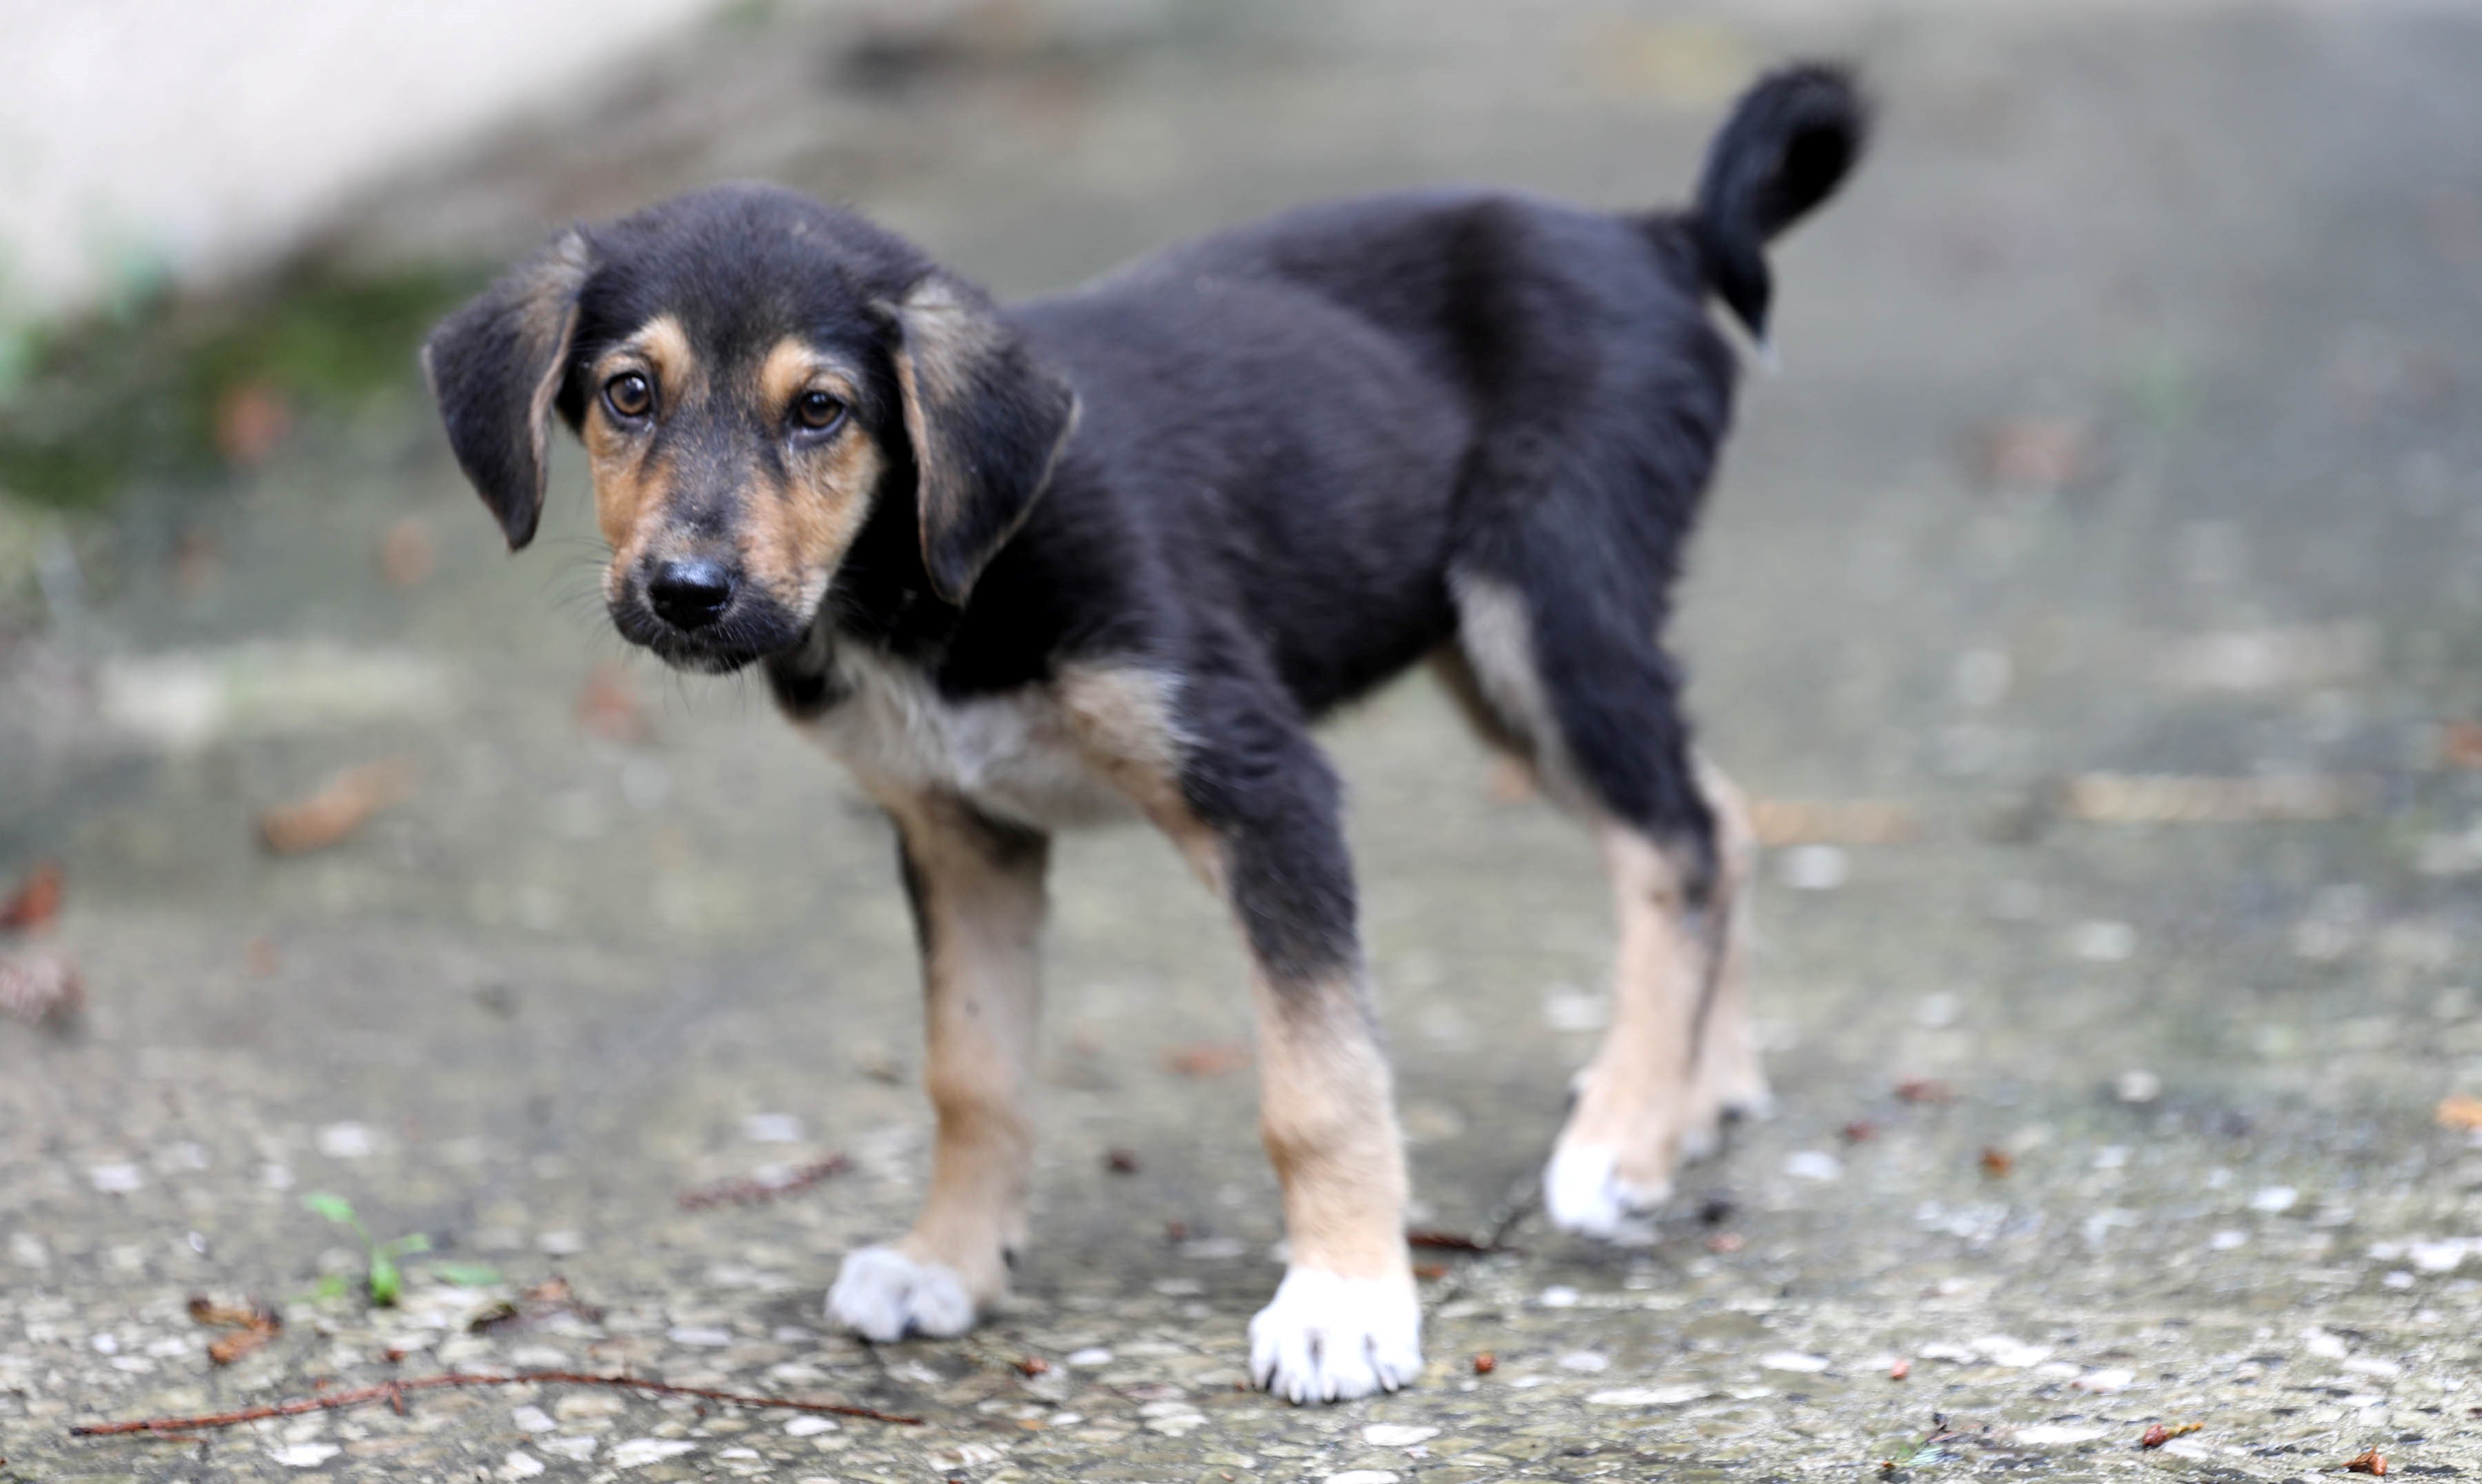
(1032, 1366)
(195, 562)
(2459, 744)
(251, 421)
(1900, 1369)
(608, 707)
(1924, 1090)
(407, 554)
(1861, 1131)
(1509, 781)
(336, 810)
(2110, 798)
(37, 901)
(251, 1327)
(1832, 822)
(2158, 1435)
(1999, 1163)
(2461, 1111)
(1121, 1161)
(2033, 453)
(2368, 1462)
(1207, 1058)
(40, 987)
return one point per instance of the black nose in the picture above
(689, 595)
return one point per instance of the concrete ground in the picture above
(2124, 429)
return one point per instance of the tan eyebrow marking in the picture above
(665, 349)
(792, 368)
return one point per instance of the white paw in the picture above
(880, 1293)
(1583, 1192)
(1330, 1339)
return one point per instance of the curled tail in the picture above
(1790, 141)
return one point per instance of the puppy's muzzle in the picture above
(689, 595)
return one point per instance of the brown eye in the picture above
(817, 412)
(629, 396)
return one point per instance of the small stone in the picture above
(2441, 1257)
(2275, 1199)
(1396, 1435)
(2137, 1085)
(2104, 1382)
(809, 1426)
(705, 1336)
(1816, 868)
(2103, 942)
(305, 1455)
(576, 1449)
(1566, 1007)
(520, 1465)
(1647, 1396)
(1793, 1360)
(2015, 1354)
(1559, 1296)
(117, 1180)
(344, 1141)
(1092, 1355)
(1586, 1361)
(2058, 1433)
(772, 1128)
(533, 1420)
(559, 1244)
(1813, 1164)
(2227, 1241)
(639, 1452)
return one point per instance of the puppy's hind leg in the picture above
(1730, 1082)
(976, 887)
(1595, 705)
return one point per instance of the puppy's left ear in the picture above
(495, 366)
(987, 420)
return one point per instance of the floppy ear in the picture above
(987, 420)
(494, 367)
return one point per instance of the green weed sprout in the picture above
(383, 1279)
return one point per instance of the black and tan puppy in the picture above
(1113, 552)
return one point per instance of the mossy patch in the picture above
(184, 388)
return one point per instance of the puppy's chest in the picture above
(1013, 755)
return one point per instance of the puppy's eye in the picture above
(817, 412)
(629, 395)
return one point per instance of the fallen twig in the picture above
(1457, 1241)
(754, 1192)
(394, 1393)
(2110, 798)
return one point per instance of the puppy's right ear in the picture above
(495, 366)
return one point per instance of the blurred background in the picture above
(2093, 600)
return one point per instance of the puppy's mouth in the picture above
(702, 619)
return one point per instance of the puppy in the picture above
(1111, 553)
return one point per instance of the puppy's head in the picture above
(754, 377)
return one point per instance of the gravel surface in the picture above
(2093, 597)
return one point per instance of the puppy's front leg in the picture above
(976, 887)
(1345, 1322)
